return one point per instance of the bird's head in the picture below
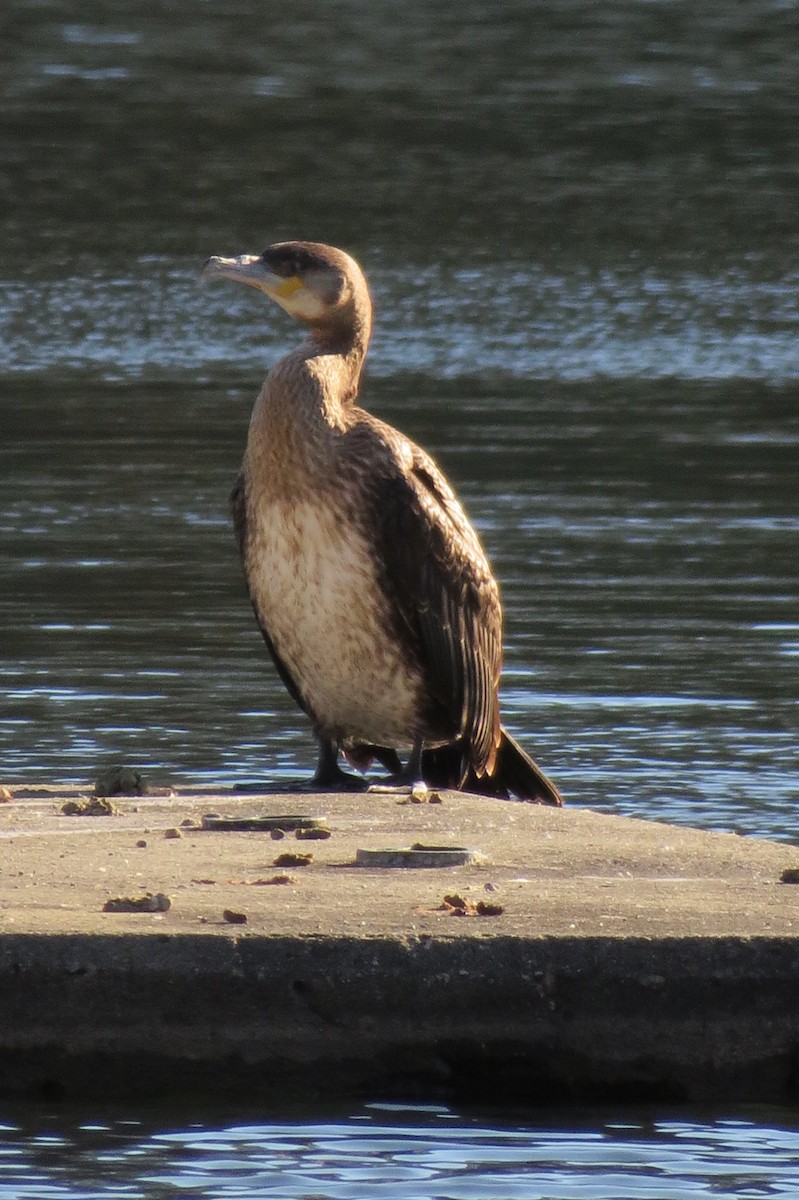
(316, 284)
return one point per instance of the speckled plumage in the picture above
(369, 583)
(313, 583)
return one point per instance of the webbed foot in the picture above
(329, 777)
(408, 779)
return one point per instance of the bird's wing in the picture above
(441, 585)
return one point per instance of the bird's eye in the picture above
(285, 265)
(288, 264)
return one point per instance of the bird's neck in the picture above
(305, 405)
(342, 346)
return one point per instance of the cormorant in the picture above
(369, 584)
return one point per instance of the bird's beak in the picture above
(249, 269)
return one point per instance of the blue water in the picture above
(402, 1153)
(579, 225)
(516, 321)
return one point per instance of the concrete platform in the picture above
(630, 960)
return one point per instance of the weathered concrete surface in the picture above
(631, 959)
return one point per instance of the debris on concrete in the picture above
(421, 794)
(293, 860)
(91, 806)
(461, 906)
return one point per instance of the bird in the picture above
(369, 583)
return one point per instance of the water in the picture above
(424, 1153)
(648, 575)
(579, 222)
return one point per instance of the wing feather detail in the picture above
(444, 593)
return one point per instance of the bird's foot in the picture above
(329, 777)
(336, 780)
(409, 780)
(255, 787)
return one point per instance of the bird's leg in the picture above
(410, 778)
(329, 775)
(413, 767)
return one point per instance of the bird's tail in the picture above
(515, 773)
(521, 776)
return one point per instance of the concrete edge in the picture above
(532, 1020)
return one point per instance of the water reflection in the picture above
(579, 224)
(646, 563)
(578, 130)
(153, 320)
(415, 1153)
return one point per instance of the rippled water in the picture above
(496, 319)
(648, 571)
(579, 225)
(412, 1154)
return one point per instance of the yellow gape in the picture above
(289, 287)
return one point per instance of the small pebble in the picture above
(421, 794)
(293, 860)
(172, 833)
(234, 918)
(141, 843)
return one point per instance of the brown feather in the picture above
(370, 586)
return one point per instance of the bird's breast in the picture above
(314, 581)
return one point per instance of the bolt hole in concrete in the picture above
(419, 855)
(278, 822)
